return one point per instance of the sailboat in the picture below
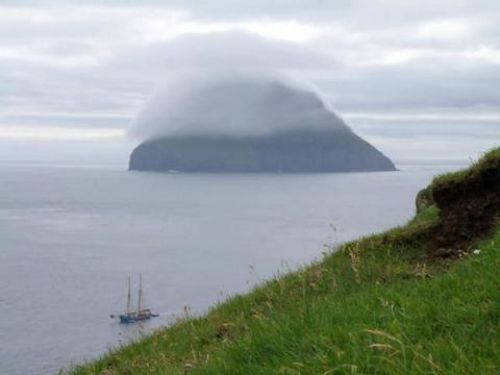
(141, 314)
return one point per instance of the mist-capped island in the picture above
(250, 126)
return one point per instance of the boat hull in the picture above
(136, 317)
(124, 319)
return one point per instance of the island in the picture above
(282, 152)
(260, 127)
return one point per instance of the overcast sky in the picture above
(419, 79)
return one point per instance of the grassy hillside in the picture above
(398, 302)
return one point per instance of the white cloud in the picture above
(444, 29)
(380, 56)
(427, 116)
(486, 53)
(13, 132)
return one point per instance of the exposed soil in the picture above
(468, 210)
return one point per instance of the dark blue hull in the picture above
(126, 319)
(134, 317)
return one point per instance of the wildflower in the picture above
(476, 251)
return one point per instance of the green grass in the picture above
(489, 159)
(374, 306)
(364, 309)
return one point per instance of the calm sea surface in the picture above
(70, 237)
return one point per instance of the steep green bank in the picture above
(389, 303)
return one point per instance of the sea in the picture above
(72, 234)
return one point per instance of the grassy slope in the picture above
(490, 158)
(375, 306)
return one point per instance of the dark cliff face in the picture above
(288, 152)
(469, 206)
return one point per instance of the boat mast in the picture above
(128, 297)
(140, 293)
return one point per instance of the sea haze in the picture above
(70, 237)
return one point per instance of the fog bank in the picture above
(238, 104)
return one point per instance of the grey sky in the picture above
(82, 70)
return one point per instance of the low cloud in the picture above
(233, 104)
